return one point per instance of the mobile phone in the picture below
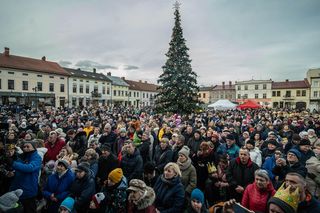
(238, 208)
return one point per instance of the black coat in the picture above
(105, 166)
(132, 165)
(162, 157)
(80, 143)
(109, 139)
(282, 171)
(144, 149)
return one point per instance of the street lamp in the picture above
(35, 89)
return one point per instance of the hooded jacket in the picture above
(145, 204)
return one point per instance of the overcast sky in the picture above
(228, 40)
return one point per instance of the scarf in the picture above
(185, 165)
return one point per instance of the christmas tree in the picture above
(178, 83)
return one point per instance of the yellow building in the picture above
(120, 91)
(204, 94)
(290, 94)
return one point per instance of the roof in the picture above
(142, 86)
(290, 84)
(31, 64)
(117, 81)
(204, 89)
(85, 74)
(226, 87)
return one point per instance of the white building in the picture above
(313, 76)
(256, 90)
(120, 89)
(88, 88)
(32, 82)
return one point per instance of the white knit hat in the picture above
(185, 150)
(9, 200)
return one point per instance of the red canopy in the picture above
(249, 104)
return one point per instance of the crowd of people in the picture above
(125, 160)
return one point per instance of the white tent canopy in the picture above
(223, 104)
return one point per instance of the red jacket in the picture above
(53, 151)
(256, 199)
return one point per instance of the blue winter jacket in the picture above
(268, 165)
(26, 174)
(58, 186)
(169, 195)
(233, 151)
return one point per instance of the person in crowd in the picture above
(67, 205)
(106, 163)
(67, 154)
(94, 144)
(194, 143)
(169, 190)
(240, 173)
(57, 187)
(78, 141)
(292, 164)
(163, 154)
(108, 136)
(54, 146)
(131, 163)
(255, 153)
(257, 194)
(270, 149)
(144, 147)
(88, 129)
(229, 148)
(313, 138)
(95, 136)
(177, 147)
(270, 163)
(149, 174)
(304, 148)
(91, 157)
(295, 140)
(197, 202)
(120, 141)
(141, 197)
(83, 187)
(313, 176)
(188, 172)
(188, 133)
(26, 175)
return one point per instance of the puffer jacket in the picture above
(255, 156)
(313, 177)
(169, 195)
(132, 165)
(255, 198)
(162, 157)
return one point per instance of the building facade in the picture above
(224, 91)
(290, 94)
(32, 82)
(88, 88)
(120, 91)
(313, 77)
(204, 94)
(256, 90)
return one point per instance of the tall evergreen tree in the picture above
(178, 83)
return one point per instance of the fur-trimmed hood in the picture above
(147, 199)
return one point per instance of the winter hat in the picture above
(304, 142)
(251, 142)
(230, 137)
(137, 185)
(185, 150)
(164, 140)
(32, 142)
(273, 142)
(197, 194)
(97, 198)
(60, 132)
(9, 200)
(84, 166)
(296, 137)
(116, 175)
(303, 134)
(23, 125)
(149, 167)
(106, 147)
(68, 203)
(64, 163)
(123, 130)
(204, 146)
(295, 152)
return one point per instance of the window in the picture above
(87, 81)
(264, 95)
(108, 91)
(256, 86)
(104, 90)
(61, 87)
(245, 96)
(12, 73)
(11, 84)
(298, 93)
(122, 93)
(87, 89)
(264, 86)
(129, 94)
(51, 87)
(51, 76)
(221, 96)
(24, 85)
(0, 84)
(239, 87)
(304, 93)
(74, 88)
(245, 87)
(114, 92)
(239, 96)
(40, 76)
(144, 94)
(25, 74)
(81, 88)
(134, 94)
(81, 80)
(274, 93)
(315, 94)
(74, 79)
(61, 78)
(39, 86)
(256, 96)
(278, 93)
(119, 92)
(288, 93)
(137, 94)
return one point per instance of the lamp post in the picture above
(35, 89)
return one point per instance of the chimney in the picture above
(140, 81)
(223, 85)
(109, 74)
(123, 78)
(43, 58)
(287, 80)
(230, 83)
(6, 51)
(145, 82)
(94, 70)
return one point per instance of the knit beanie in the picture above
(97, 198)
(295, 152)
(185, 150)
(115, 175)
(64, 163)
(197, 194)
(282, 204)
(68, 203)
(251, 142)
(33, 143)
(84, 166)
(304, 142)
(9, 200)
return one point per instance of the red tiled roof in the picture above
(18, 62)
(290, 84)
(142, 86)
